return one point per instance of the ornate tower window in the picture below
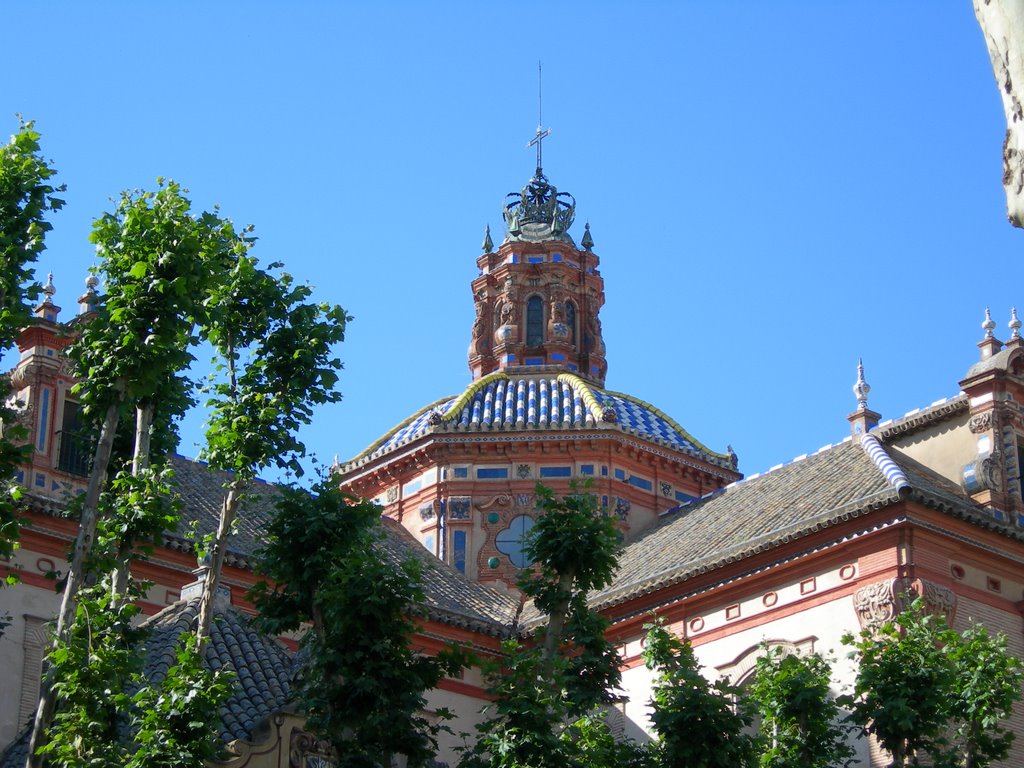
(570, 320)
(75, 452)
(510, 541)
(534, 321)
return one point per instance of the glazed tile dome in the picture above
(501, 402)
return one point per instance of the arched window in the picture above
(534, 321)
(570, 320)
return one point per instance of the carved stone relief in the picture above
(305, 751)
(980, 422)
(882, 601)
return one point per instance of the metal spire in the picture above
(542, 133)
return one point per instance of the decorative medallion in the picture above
(392, 494)
(666, 488)
(523, 471)
(459, 507)
(427, 511)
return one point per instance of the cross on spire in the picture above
(542, 133)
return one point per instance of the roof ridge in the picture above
(784, 464)
(475, 386)
(583, 389)
(890, 469)
(919, 417)
(389, 433)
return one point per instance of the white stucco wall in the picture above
(818, 628)
(28, 607)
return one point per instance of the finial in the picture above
(1014, 325)
(488, 244)
(989, 325)
(861, 388)
(49, 289)
(542, 133)
(587, 242)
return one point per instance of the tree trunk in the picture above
(143, 436)
(228, 511)
(1002, 24)
(556, 624)
(76, 576)
(140, 461)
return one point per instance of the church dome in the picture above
(460, 474)
(541, 403)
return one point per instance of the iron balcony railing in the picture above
(75, 453)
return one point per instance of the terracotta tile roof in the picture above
(548, 402)
(451, 597)
(768, 510)
(202, 491)
(262, 668)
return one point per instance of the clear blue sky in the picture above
(774, 189)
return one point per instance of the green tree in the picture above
(700, 724)
(91, 671)
(171, 722)
(903, 681)
(546, 689)
(129, 357)
(275, 355)
(800, 720)
(987, 682)
(26, 197)
(361, 684)
(931, 693)
(109, 713)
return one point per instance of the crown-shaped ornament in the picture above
(539, 212)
